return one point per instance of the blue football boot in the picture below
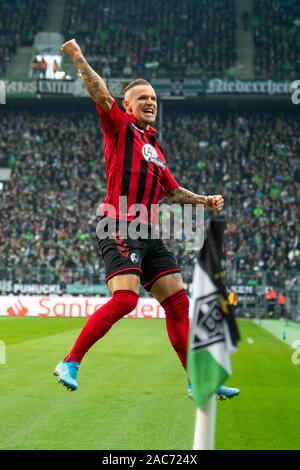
(227, 392)
(67, 373)
(222, 393)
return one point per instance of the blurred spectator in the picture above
(231, 73)
(43, 65)
(55, 67)
(233, 300)
(271, 298)
(35, 67)
(282, 303)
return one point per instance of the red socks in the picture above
(177, 318)
(121, 303)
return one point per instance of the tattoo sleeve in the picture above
(183, 196)
(94, 84)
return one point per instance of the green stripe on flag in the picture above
(205, 374)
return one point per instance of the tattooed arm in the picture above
(94, 84)
(183, 196)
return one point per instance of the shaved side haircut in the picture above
(137, 82)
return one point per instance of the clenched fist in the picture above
(70, 48)
(214, 203)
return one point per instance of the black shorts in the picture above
(148, 258)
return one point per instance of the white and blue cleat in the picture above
(222, 393)
(227, 392)
(67, 373)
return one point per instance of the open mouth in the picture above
(148, 111)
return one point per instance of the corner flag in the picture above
(214, 331)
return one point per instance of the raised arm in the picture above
(183, 196)
(94, 84)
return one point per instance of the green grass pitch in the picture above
(132, 391)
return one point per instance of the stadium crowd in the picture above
(165, 39)
(20, 20)
(276, 35)
(48, 210)
(159, 38)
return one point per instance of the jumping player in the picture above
(135, 168)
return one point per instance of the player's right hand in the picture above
(70, 48)
(214, 203)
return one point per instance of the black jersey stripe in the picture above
(153, 189)
(154, 180)
(127, 163)
(142, 176)
(144, 166)
(142, 181)
(153, 141)
(164, 154)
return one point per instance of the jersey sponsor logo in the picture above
(150, 154)
(134, 258)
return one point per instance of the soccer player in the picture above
(135, 168)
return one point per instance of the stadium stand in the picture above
(191, 39)
(195, 38)
(19, 22)
(276, 35)
(47, 221)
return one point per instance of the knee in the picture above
(177, 305)
(125, 301)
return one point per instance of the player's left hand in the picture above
(214, 203)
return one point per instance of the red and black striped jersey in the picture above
(135, 163)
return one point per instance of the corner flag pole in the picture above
(204, 437)
(213, 332)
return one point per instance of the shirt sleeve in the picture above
(111, 120)
(169, 182)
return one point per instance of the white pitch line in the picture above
(250, 340)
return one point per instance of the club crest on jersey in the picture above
(134, 258)
(150, 154)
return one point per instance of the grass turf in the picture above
(132, 392)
